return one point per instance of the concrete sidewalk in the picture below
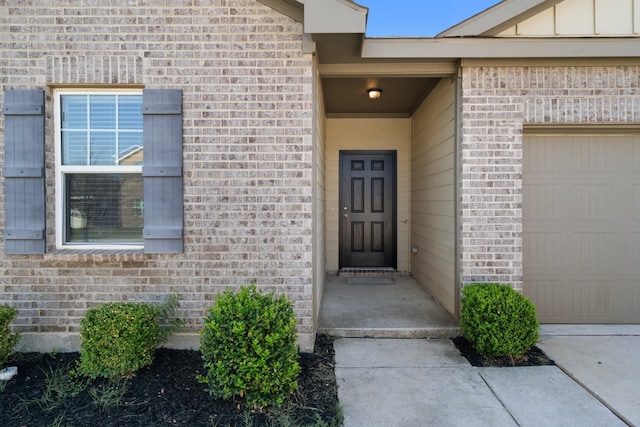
(420, 382)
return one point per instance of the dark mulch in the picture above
(164, 394)
(533, 357)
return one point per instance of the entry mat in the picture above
(370, 281)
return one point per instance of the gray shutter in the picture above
(162, 171)
(24, 171)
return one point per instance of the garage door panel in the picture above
(635, 196)
(635, 309)
(547, 296)
(544, 201)
(593, 251)
(593, 202)
(592, 156)
(592, 300)
(635, 155)
(546, 159)
(544, 250)
(581, 227)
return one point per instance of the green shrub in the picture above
(248, 345)
(498, 320)
(8, 339)
(121, 337)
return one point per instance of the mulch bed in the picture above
(163, 394)
(533, 357)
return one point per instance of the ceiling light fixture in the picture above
(374, 93)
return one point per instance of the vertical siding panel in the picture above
(24, 171)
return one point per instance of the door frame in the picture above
(394, 201)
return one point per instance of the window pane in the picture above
(103, 148)
(102, 111)
(130, 112)
(130, 149)
(104, 208)
(74, 112)
(114, 129)
(74, 148)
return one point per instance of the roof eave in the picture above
(478, 47)
(291, 8)
(324, 16)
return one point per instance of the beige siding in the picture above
(367, 134)
(319, 233)
(582, 18)
(433, 192)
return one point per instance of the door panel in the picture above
(367, 209)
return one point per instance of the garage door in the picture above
(581, 227)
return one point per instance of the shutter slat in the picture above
(24, 171)
(162, 171)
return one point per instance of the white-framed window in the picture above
(99, 155)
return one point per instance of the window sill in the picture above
(96, 255)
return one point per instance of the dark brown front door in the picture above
(367, 209)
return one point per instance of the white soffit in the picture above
(334, 16)
(499, 18)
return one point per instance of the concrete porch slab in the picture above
(402, 309)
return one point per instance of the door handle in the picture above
(346, 215)
(345, 208)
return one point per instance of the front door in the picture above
(367, 209)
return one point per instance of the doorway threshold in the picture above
(387, 272)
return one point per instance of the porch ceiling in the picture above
(346, 77)
(348, 97)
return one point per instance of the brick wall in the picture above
(247, 151)
(498, 103)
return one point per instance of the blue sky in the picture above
(415, 18)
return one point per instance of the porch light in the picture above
(374, 93)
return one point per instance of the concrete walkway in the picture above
(425, 382)
(422, 380)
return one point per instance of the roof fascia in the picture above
(498, 18)
(291, 8)
(434, 48)
(334, 17)
(390, 69)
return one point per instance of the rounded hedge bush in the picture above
(8, 339)
(117, 339)
(498, 320)
(248, 344)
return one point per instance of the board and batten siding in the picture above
(433, 192)
(368, 134)
(582, 18)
